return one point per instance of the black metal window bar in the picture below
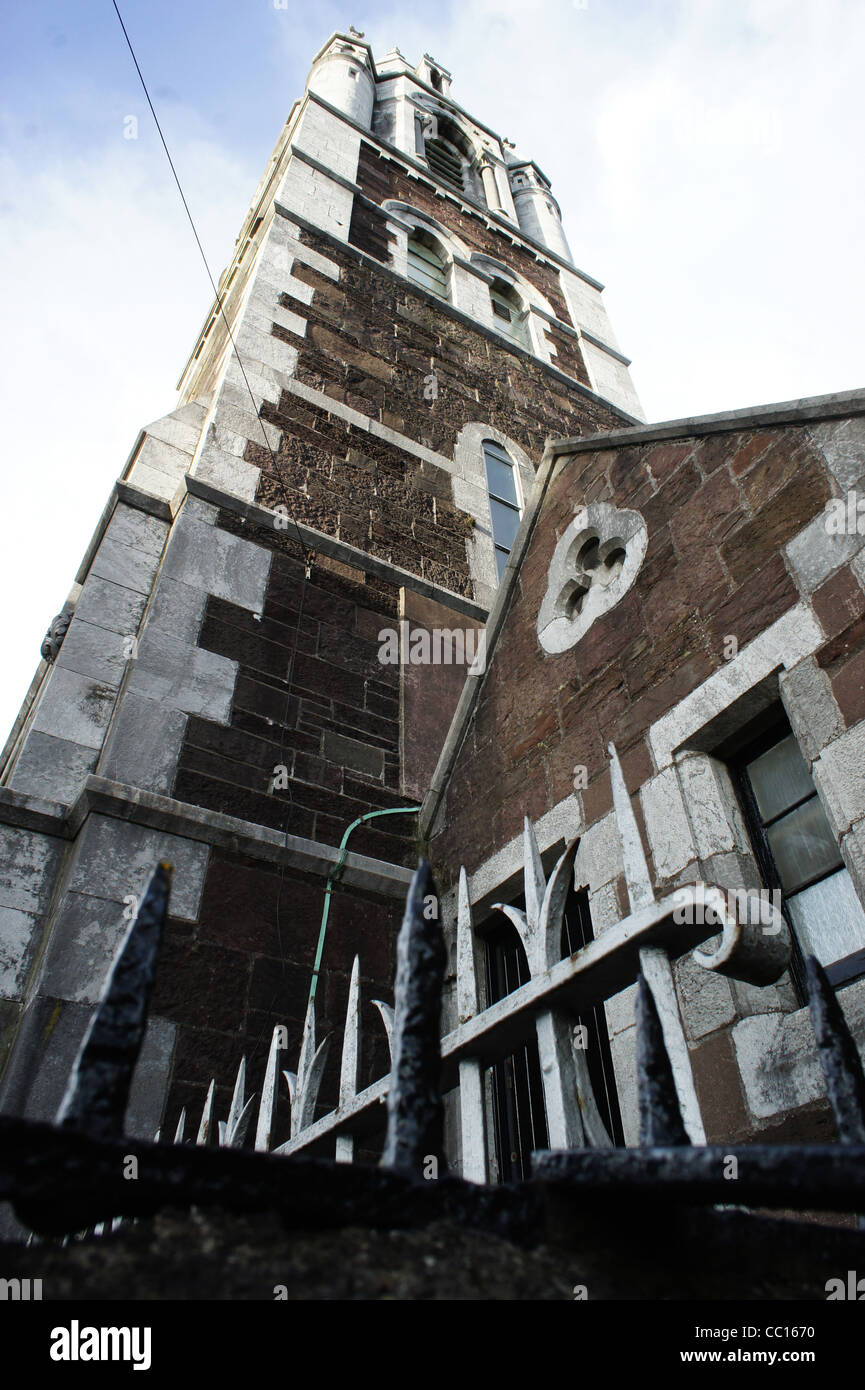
(519, 1117)
(519, 1114)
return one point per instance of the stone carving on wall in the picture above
(54, 636)
(593, 566)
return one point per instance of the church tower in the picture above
(400, 330)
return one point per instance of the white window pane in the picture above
(828, 919)
(502, 557)
(491, 447)
(780, 778)
(803, 845)
(505, 523)
(500, 477)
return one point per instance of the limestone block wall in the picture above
(200, 719)
(65, 725)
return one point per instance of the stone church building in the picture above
(408, 438)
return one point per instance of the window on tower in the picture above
(451, 154)
(426, 264)
(446, 161)
(504, 501)
(508, 313)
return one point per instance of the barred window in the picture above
(519, 1108)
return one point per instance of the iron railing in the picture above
(75, 1174)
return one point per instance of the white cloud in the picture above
(103, 294)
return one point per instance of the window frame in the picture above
(498, 547)
(517, 321)
(846, 969)
(420, 237)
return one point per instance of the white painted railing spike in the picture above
(533, 876)
(206, 1124)
(386, 1012)
(350, 1038)
(303, 1087)
(468, 1001)
(267, 1105)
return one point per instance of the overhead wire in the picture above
(277, 473)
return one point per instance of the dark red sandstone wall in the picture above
(717, 509)
(429, 694)
(382, 178)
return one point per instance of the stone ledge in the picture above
(33, 813)
(337, 550)
(605, 347)
(840, 404)
(143, 501)
(103, 797)
(367, 423)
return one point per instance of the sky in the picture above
(707, 156)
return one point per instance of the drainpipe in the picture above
(334, 875)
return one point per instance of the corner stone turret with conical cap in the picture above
(343, 74)
(538, 213)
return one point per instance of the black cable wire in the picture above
(306, 554)
(219, 298)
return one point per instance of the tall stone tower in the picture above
(399, 331)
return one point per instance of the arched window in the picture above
(446, 161)
(504, 501)
(426, 264)
(451, 155)
(508, 314)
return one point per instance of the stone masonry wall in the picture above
(738, 548)
(337, 733)
(719, 511)
(370, 343)
(381, 178)
(224, 981)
